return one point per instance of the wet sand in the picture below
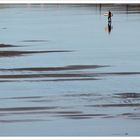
(7, 45)
(70, 67)
(64, 112)
(65, 72)
(21, 53)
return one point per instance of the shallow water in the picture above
(62, 73)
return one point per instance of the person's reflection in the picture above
(109, 27)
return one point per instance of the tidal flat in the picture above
(64, 71)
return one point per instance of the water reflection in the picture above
(109, 27)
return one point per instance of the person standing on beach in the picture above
(109, 16)
(109, 27)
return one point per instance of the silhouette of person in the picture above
(109, 27)
(109, 16)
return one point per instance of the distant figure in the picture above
(109, 26)
(109, 16)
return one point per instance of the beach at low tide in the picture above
(65, 72)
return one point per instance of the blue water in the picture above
(68, 98)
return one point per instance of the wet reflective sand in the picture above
(64, 71)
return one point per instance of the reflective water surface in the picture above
(66, 71)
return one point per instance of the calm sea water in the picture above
(65, 72)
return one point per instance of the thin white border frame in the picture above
(70, 138)
(70, 1)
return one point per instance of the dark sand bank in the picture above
(131, 116)
(117, 73)
(35, 40)
(21, 120)
(128, 95)
(21, 53)
(51, 80)
(70, 112)
(42, 75)
(7, 45)
(116, 105)
(67, 75)
(26, 108)
(24, 97)
(69, 67)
